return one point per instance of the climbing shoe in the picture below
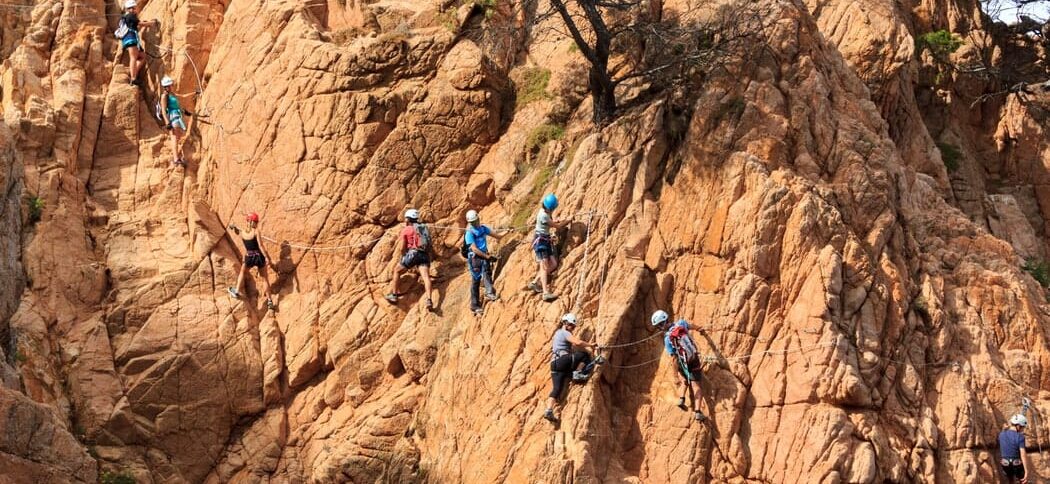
(548, 297)
(534, 287)
(681, 404)
(598, 360)
(699, 416)
(492, 297)
(391, 298)
(233, 293)
(179, 162)
(580, 377)
(270, 305)
(549, 415)
(430, 304)
(476, 311)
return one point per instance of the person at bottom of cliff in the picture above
(686, 357)
(568, 362)
(173, 121)
(130, 26)
(254, 256)
(413, 247)
(479, 261)
(1013, 457)
(543, 246)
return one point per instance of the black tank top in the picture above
(251, 244)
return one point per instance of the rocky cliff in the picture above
(849, 226)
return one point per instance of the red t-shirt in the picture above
(411, 237)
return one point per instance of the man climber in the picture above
(686, 357)
(1014, 459)
(413, 248)
(172, 113)
(568, 362)
(479, 261)
(130, 40)
(543, 246)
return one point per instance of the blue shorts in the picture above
(543, 247)
(415, 258)
(130, 40)
(176, 121)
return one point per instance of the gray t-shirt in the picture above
(561, 343)
(543, 222)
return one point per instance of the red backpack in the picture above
(683, 345)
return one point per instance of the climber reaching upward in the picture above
(568, 362)
(254, 256)
(686, 357)
(128, 33)
(1013, 457)
(413, 249)
(479, 260)
(172, 112)
(543, 246)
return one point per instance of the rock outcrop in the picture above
(867, 316)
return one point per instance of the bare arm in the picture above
(1027, 463)
(259, 239)
(579, 342)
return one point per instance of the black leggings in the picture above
(562, 368)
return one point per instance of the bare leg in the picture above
(424, 274)
(266, 280)
(394, 278)
(694, 388)
(240, 278)
(543, 276)
(176, 149)
(134, 62)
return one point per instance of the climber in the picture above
(254, 256)
(479, 261)
(686, 357)
(413, 247)
(568, 362)
(1013, 457)
(128, 33)
(172, 113)
(543, 246)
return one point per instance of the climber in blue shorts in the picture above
(131, 26)
(680, 346)
(543, 246)
(172, 113)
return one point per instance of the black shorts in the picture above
(1013, 471)
(414, 258)
(692, 370)
(255, 259)
(562, 368)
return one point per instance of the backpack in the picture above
(122, 30)
(683, 345)
(424, 237)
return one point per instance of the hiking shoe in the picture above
(579, 376)
(476, 311)
(681, 404)
(270, 305)
(548, 297)
(492, 297)
(699, 416)
(598, 360)
(549, 415)
(391, 298)
(430, 304)
(233, 293)
(180, 162)
(534, 287)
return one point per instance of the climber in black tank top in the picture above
(254, 256)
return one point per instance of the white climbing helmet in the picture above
(659, 317)
(166, 82)
(569, 318)
(130, 4)
(1019, 419)
(412, 214)
(472, 216)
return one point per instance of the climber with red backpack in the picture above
(413, 248)
(543, 246)
(128, 34)
(479, 260)
(683, 350)
(568, 362)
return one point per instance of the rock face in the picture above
(867, 318)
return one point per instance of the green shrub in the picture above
(1039, 269)
(543, 134)
(951, 155)
(521, 217)
(941, 43)
(920, 306)
(36, 209)
(20, 357)
(110, 477)
(732, 109)
(532, 86)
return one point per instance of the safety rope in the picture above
(715, 358)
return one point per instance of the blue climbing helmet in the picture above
(550, 202)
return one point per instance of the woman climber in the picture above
(568, 362)
(254, 256)
(543, 246)
(413, 249)
(130, 39)
(686, 357)
(172, 113)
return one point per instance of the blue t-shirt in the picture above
(1010, 444)
(476, 236)
(667, 336)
